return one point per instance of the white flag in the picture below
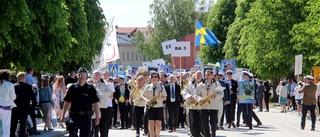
(202, 5)
(110, 49)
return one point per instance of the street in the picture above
(274, 124)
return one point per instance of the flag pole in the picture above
(173, 65)
(180, 72)
(195, 37)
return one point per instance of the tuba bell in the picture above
(134, 91)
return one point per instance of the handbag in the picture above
(38, 113)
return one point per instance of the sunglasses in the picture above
(154, 76)
(207, 75)
(83, 74)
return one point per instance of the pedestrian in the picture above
(58, 93)
(298, 97)
(46, 102)
(282, 92)
(82, 97)
(309, 101)
(35, 101)
(7, 97)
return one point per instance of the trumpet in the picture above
(134, 90)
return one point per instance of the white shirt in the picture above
(7, 94)
(109, 100)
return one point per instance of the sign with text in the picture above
(298, 65)
(181, 49)
(167, 46)
(316, 73)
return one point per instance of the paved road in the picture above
(275, 124)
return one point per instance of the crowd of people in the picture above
(153, 101)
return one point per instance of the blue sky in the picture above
(127, 13)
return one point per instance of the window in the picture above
(132, 56)
(123, 55)
(128, 56)
(137, 56)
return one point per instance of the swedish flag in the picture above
(205, 36)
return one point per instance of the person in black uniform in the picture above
(24, 94)
(122, 95)
(82, 96)
(231, 106)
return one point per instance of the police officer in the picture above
(82, 96)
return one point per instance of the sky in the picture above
(127, 13)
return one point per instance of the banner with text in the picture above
(180, 49)
(167, 46)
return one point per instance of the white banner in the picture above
(202, 5)
(298, 65)
(110, 49)
(167, 46)
(181, 49)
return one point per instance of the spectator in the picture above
(46, 103)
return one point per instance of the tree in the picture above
(232, 45)
(306, 36)
(220, 17)
(265, 39)
(172, 19)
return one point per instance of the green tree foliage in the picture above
(306, 36)
(232, 45)
(220, 17)
(50, 35)
(173, 19)
(265, 39)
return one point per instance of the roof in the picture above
(131, 30)
(124, 40)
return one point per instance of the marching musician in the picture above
(139, 104)
(189, 94)
(210, 110)
(154, 92)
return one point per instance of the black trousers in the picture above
(293, 101)
(213, 116)
(82, 123)
(173, 110)
(305, 109)
(32, 114)
(241, 108)
(20, 114)
(115, 113)
(181, 117)
(255, 117)
(222, 117)
(230, 112)
(139, 112)
(195, 122)
(145, 123)
(266, 99)
(123, 115)
(106, 114)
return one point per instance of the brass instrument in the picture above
(153, 101)
(134, 90)
(206, 101)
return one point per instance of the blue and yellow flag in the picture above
(205, 36)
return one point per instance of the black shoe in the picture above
(137, 135)
(312, 129)
(302, 128)
(238, 125)
(233, 125)
(250, 128)
(229, 126)
(221, 128)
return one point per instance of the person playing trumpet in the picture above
(139, 103)
(189, 94)
(210, 101)
(154, 92)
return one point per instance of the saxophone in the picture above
(207, 100)
(153, 101)
(134, 90)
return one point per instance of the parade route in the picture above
(274, 124)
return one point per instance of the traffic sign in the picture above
(113, 68)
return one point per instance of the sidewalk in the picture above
(57, 132)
